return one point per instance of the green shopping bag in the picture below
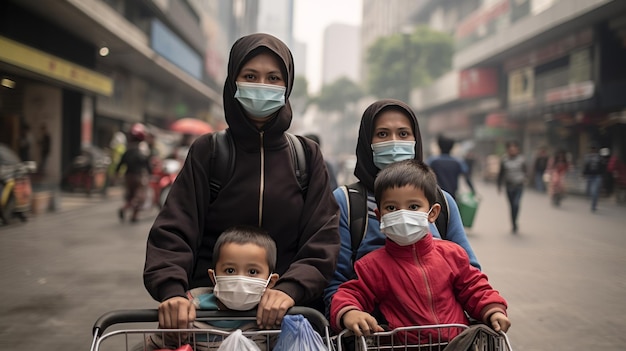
(468, 205)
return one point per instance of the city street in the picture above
(563, 274)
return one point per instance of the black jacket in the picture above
(305, 229)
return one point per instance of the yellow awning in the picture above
(54, 67)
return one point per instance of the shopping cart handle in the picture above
(152, 315)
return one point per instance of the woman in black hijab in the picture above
(263, 191)
(389, 132)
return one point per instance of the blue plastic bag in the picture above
(297, 334)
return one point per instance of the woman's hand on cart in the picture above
(176, 313)
(360, 323)
(499, 322)
(272, 308)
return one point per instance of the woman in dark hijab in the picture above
(389, 132)
(263, 191)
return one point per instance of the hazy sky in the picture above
(311, 17)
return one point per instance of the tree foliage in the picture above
(335, 96)
(402, 60)
(300, 88)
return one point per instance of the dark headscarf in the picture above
(245, 48)
(365, 169)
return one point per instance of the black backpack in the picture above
(356, 196)
(222, 160)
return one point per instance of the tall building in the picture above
(275, 17)
(341, 53)
(89, 68)
(544, 72)
(382, 18)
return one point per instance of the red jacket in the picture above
(429, 282)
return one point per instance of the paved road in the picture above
(564, 273)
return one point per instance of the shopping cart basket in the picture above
(432, 338)
(128, 339)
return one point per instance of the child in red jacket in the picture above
(414, 279)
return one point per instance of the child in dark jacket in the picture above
(414, 279)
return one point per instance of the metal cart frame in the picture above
(109, 319)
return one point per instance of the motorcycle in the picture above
(163, 175)
(15, 185)
(88, 172)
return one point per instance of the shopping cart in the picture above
(135, 338)
(431, 338)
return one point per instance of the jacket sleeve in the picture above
(472, 287)
(175, 235)
(456, 231)
(356, 294)
(318, 247)
(345, 270)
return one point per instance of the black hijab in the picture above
(365, 169)
(243, 130)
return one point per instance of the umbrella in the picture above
(191, 126)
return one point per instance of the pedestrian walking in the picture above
(136, 159)
(448, 169)
(25, 143)
(556, 169)
(262, 190)
(513, 175)
(45, 144)
(539, 168)
(593, 169)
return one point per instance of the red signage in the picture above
(571, 92)
(478, 82)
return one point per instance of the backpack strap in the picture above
(444, 216)
(222, 161)
(299, 159)
(356, 197)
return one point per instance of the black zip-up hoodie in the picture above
(263, 191)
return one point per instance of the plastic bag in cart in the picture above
(476, 337)
(236, 342)
(297, 334)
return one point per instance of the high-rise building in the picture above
(341, 53)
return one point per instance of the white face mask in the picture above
(239, 292)
(405, 227)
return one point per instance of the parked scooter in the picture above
(15, 185)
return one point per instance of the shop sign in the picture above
(521, 85)
(448, 121)
(478, 82)
(551, 51)
(569, 93)
(54, 67)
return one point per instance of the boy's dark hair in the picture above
(247, 235)
(403, 173)
(445, 144)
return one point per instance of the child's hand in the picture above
(499, 321)
(360, 323)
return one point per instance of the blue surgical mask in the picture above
(260, 100)
(388, 152)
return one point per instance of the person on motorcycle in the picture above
(138, 168)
